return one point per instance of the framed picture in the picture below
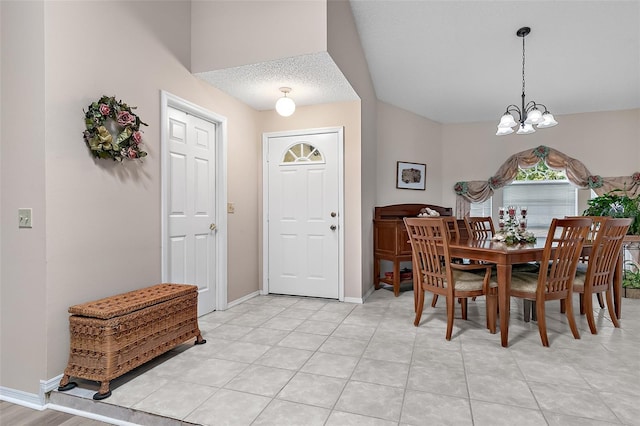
(411, 175)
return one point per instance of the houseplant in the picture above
(631, 280)
(616, 203)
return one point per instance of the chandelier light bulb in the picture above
(534, 116)
(547, 121)
(285, 106)
(504, 131)
(525, 129)
(507, 121)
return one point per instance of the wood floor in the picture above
(12, 414)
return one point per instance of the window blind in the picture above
(544, 200)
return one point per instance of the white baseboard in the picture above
(243, 299)
(89, 415)
(360, 300)
(31, 400)
(26, 399)
(47, 386)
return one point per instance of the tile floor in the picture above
(281, 360)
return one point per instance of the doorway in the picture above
(194, 199)
(303, 246)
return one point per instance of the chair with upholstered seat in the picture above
(596, 276)
(435, 272)
(596, 222)
(554, 281)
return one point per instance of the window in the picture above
(544, 199)
(481, 209)
(302, 153)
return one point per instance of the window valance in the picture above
(577, 173)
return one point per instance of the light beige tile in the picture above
(175, 399)
(312, 389)
(372, 400)
(491, 414)
(573, 401)
(339, 366)
(261, 380)
(282, 357)
(381, 372)
(299, 340)
(227, 407)
(341, 346)
(339, 418)
(285, 413)
(423, 408)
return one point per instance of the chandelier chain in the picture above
(523, 56)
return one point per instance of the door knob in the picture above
(212, 226)
(333, 227)
(334, 214)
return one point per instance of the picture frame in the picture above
(411, 175)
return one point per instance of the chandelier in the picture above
(530, 113)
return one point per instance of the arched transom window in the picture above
(302, 153)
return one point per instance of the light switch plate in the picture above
(231, 208)
(24, 218)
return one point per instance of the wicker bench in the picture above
(112, 336)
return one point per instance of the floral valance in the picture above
(577, 173)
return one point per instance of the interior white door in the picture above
(303, 202)
(191, 206)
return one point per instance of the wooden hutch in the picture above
(391, 241)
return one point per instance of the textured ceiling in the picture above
(460, 61)
(314, 79)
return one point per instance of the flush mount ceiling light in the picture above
(285, 106)
(530, 113)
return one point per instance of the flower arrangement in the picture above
(513, 230)
(99, 139)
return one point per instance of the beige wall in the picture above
(343, 44)
(404, 136)
(606, 142)
(102, 218)
(261, 31)
(347, 115)
(23, 291)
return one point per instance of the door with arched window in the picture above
(303, 210)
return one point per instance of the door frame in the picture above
(265, 200)
(169, 100)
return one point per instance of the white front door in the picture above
(303, 214)
(191, 205)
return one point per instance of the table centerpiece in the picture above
(512, 229)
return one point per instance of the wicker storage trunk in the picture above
(112, 336)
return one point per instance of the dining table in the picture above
(504, 256)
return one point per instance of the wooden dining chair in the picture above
(453, 231)
(479, 228)
(435, 272)
(554, 281)
(596, 276)
(596, 222)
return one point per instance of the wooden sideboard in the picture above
(391, 241)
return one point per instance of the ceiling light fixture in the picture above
(530, 114)
(285, 106)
